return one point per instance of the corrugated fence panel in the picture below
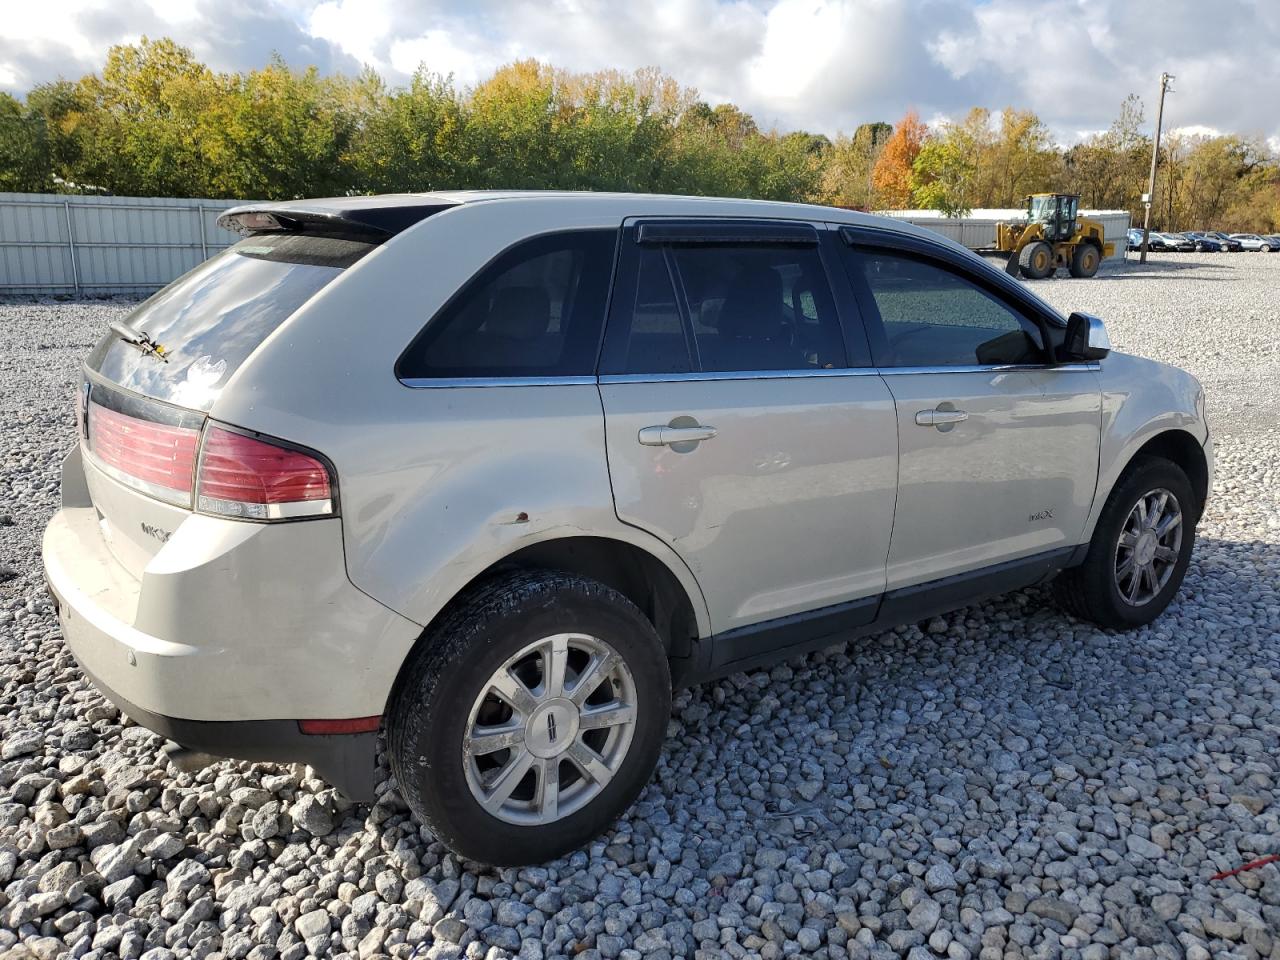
(60, 244)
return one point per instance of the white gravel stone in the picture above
(1002, 780)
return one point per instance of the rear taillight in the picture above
(218, 470)
(157, 458)
(254, 479)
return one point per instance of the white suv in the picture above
(493, 471)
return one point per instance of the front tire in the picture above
(530, 717)
(1139, 552)
(1085, 260)
(1035, 260)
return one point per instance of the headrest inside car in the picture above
(753, 308)
(519, 313)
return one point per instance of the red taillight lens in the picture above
(156, 458)
(252, 479)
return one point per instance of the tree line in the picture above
(157, 122)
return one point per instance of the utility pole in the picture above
(1151, 180)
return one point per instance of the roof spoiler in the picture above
(367, 219)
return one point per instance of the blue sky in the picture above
(821, 65)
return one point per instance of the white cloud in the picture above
(358, 27)
(823, 65)
(1197, 130)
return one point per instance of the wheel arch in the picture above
(639, 575)
(1184, 450)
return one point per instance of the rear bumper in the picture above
(346, 761)
(233, 634)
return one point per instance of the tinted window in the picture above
(536, 311)
(930, 316)
(728, 309)
(659, 341)
(210, 319)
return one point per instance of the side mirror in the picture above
(1086, 339)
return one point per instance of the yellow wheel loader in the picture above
(1052, 236)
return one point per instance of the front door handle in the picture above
(666, 435)
(939, 417)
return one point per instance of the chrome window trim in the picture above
(695, 377)
(986, 368)
(447, 383)
(453, 383)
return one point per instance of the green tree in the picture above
(848, 164)
(942, 176)
(24, 148)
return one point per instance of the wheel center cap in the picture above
(551, 728)
(1145, 550)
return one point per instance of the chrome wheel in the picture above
(549, 729)
(1148, 548)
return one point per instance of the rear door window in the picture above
(536, 311)
(736, 307)
(211, 319)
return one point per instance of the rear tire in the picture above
(529, 717)
(1085, 260)
(1124, 544)
(1035, 260)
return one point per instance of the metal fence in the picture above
(91, 246)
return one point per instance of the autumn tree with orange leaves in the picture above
(892, 174)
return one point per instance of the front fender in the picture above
(1141, 399)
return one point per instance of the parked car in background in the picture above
(1275, 240)
(1205, 243)
(1233, 246)
(1252, 241)
(1176, 241)
(607, 445)
(1155, 241)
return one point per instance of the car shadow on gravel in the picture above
(1008, 712)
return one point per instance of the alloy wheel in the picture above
(550, 729)
(1148, 547)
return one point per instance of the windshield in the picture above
(210, 320)
(1042, 208)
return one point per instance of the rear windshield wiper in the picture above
(139, 339)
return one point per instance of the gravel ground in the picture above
(1002, 782)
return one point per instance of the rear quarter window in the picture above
(211, 319)
(537, 310)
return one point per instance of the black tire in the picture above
(1266, 248)
(431, 708)
(1085, 260)
(1090, 591)
(1035, 260)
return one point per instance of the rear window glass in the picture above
(210, 320)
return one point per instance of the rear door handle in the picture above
(938, 418)
(664, 436)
